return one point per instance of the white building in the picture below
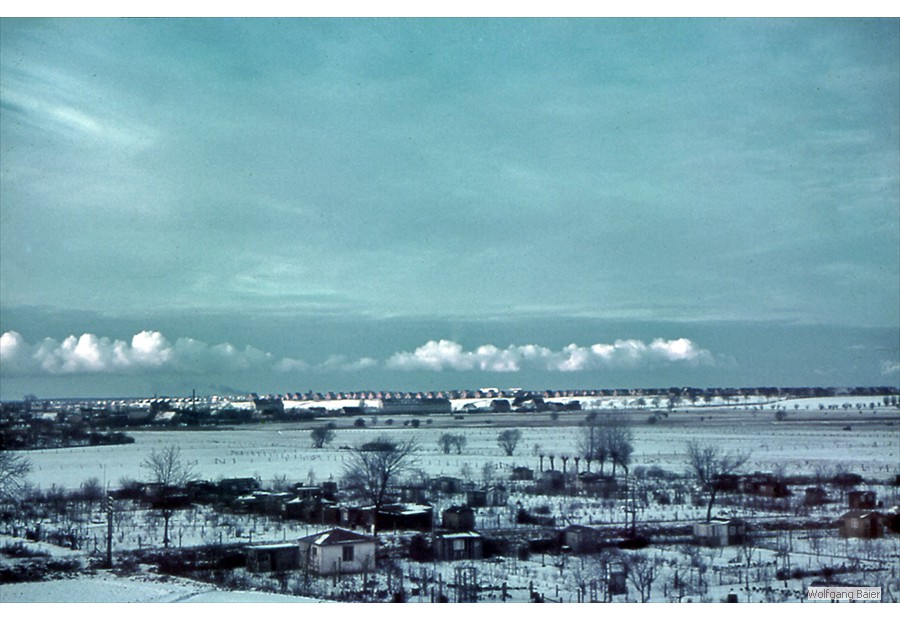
(338, 551)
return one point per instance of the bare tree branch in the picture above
(167, 468)
(373, 469)
(709, 464)
(13, 469)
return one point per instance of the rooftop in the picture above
(337, 536)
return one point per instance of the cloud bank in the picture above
(150, 351)
(147, 351)
(446, 354)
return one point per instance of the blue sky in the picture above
(278, 205)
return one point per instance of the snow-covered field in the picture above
(105, 587)
(805, 440)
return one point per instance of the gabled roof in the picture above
(337, 536)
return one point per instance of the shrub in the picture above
(321, 436)
(19, 550)
(359, 423)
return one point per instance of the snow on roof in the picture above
(238, 405)
(337, 536)
(273, 546)
(407, 509)
(460, 535)
(858, 514)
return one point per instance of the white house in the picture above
(338, 551)
(720, 532)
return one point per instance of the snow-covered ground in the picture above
(105, 587)
(805, 440)
(811, 440)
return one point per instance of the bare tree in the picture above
(508, 440)
(169, 472)
(373, 469)
(445, 441)
(619, 438)
(605, 440)
(590, 445)
(487, 472)
(13, 469)
(709, 464)
(321, 435)
(448, 441)
(92, 491)
(642, 571)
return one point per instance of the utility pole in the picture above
(109, 530)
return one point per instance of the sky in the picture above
(282, 205)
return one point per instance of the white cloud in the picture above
(147, 351)
(150, 351)
(446, 354)
(890, 368)
(340, 362)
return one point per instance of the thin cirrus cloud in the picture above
(150, 351)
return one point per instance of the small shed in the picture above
(495, 495)
(815, 496)
(329, 490)
(861, 500)
(447, 484)
(768, 487)
(414, 492)
(277, 557)
(238, 486)
(458, 518)
(720, 532)
(860, 524)
(522, 473)
(616, 578)
(582, 538)
(595, 484)
(271, 503)
(405, 517)
(552, 481)
(458, 546)
(311, 510)
(305, 491)
(338, 551)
